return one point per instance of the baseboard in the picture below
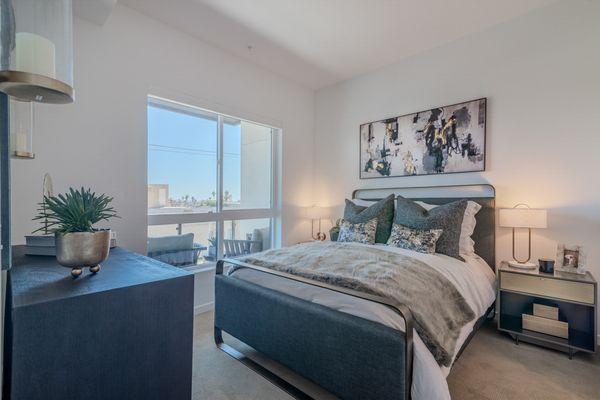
(202, 308)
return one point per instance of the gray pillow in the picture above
(447, 217)
(383, 210)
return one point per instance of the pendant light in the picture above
(36, 50)
(36, 62)
(21, 128)
(36, 65)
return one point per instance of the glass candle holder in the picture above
(21, 129)
(36, 50)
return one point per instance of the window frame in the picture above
(220, 216)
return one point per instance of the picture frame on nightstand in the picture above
(571, 259)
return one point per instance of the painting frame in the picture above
(580, 266)
(483, 161)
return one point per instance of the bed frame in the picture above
(351, 357)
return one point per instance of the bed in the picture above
(352, 344)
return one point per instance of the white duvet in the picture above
(473, 278)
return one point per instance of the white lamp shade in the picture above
(523, 218)
(316, 212)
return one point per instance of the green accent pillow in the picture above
(383, 210)
(447, 217)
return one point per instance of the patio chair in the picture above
(177, 250)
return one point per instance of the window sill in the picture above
(198, 269)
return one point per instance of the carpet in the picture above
(491, 368)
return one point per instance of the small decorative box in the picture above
(546, 325)
(540, 310)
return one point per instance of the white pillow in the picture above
(466, 245)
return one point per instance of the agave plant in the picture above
(74, 211)
(212, 240)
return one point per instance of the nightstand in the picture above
(565, 305)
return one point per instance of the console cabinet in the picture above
(124, 333)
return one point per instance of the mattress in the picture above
(473, 278)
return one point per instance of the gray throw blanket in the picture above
(438, 309)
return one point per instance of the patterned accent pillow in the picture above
(447, 217)
(383, 210)
(362, 232)
(422, 241)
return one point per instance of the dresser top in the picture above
(566, 276)
(39, 279)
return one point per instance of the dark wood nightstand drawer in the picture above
(537, 285)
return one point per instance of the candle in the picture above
(21, 143)
(21, 128)
(35, 54)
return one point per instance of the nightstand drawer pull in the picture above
(560, 289)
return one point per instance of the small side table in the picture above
(573, 294)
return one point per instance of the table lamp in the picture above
(316, 213)
(521, 216)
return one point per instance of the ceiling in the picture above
(320, 42)
(94, 11)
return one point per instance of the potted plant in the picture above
(42, 243)
(335, 230)
(212, 248)
(72, 216)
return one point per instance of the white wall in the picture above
(100, 140)
(540, 74)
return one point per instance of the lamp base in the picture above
(320, 236)
(526, 265)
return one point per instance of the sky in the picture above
(182, 153)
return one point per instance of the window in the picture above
(247, 178)
(212, 185)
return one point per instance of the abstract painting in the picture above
(438, 141)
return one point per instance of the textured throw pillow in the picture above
(466, 245)
(362, 232)
(419, 240)
(447, 217)
(383, 210)
(364, 203)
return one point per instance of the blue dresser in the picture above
(124, 333)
